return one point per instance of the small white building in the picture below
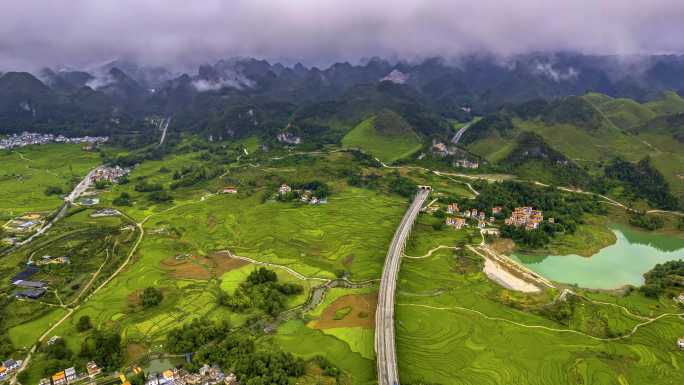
(284, 189)
(230, 379)
(490, 231)
(204, 370)
(70, 374)
(680, 343)
(93, 369)
(680, 298)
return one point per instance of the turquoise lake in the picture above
(625, 262)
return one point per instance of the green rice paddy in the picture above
(454, 326)
(26, 172)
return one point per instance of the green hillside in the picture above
(670, 103)
(657, 125)
(590, 131)
(624, 113)
(382, 139)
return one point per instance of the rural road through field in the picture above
(385, 351)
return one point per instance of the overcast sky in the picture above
(80, 32)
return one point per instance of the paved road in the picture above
(460, 132)
(81, 187)
(61, 212)
(164, 125)
(386, 355)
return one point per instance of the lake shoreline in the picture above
(613, 267)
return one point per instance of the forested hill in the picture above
(236, 97)
(610, 145)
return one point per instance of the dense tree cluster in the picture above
(139, 155)
(358, 179)
(84, 324)
(105, 348)
(235, 351)
(58, 357)
(124, 199)
(160, 196)
(6, 346)
(317, 188)
(151, 297)
(664, 277)
(531, 147)
(643, 181)
(261, 291)
(145, 186)
(102, 184)
(402, 186)
(193, 174)
(529, 238)
(53, 190)
(648, 222)
(190, 337)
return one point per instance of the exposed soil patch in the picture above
(362, 313)
(198, 267)
(224, 263)
(348, 260)
(211, 222)
(135, 351)
(503, 245)
(135, 298)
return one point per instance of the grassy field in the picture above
(26, 172)
(350, 232)
(387, 148)
(579, 143)
(455, 326)
(180, 251)
(305, 342)
(624, 113)
(26, 334)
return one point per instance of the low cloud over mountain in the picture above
(79, 32)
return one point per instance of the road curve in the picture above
(386, 355)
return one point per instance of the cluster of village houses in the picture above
(69, 375)
(305, 196)
(110, 174)
(460, 221)
(527, 217)
(521, 216)
(29, 138)
(8, 367)
(442, 150)
(207, 375)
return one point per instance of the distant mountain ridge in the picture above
(217, 98)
